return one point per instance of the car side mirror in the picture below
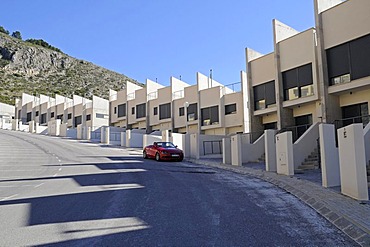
(176, 146)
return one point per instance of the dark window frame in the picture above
(230, 109)
(141, 110)
(121, 110)
(155, 111)
(210, 114)
(165, 111)
(182, 111)
(294, 79)
(266, 92)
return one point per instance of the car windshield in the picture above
(166, 144)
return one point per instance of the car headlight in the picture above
(164, 152)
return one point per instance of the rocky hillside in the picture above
(25, 67)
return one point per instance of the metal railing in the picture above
(297, 131)
(347, 121)
(212, 147)
(340, 123)
(231, 88)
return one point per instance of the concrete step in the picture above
(308, 167)
(311, 159)
(313, 156)
(314, 163)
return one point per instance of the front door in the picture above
(302, 123)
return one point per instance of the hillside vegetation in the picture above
(34, 68)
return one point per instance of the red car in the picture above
(163, 151)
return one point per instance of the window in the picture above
(272, 126)
(43, 118)
(264, 95)
(52, 115)
(69, 116)
(88, 117)
(115, 110)
(165, 111)
(78, 121)
(181, 111)
(349, 61)
(298, 82)
(60, 116)
(29, 116)
(302, 123)
(37, 113)
(155, 111)
(230, 109)
(192, 112)
(101, 115)
(121, 110)
(209, 115)
(133, 110)
(141, 110)
(358, 113)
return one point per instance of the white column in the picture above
(352, 162)
(284, 154)
(123, 139)
(128, 138)
(165, 136)
(79, 132)
(270, 151)
(330, 172)
(236, 150)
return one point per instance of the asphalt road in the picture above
(60, 192)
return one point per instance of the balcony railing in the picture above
(113, 97)
(131, 96)
(152, 95)
(231, 88)
(178, 94)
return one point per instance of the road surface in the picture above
(61, 192)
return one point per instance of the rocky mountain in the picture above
(29, 68)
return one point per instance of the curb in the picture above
(351, 227)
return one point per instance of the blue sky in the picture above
(158, 38)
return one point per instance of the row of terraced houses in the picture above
(320, 75)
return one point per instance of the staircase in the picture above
(311, 162)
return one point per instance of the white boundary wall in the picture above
(330, 172)
(352, 162)
(134, 138)
(305, 144)
(149, 139)
(284, 154)
(226, 151)
(367, 143)
(182, 141)
(54, 127)
(242, 151)
(270, 150)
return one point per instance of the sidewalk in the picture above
(349, 215)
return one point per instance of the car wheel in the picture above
(157, 157)
(181, 159)
(144, 155)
